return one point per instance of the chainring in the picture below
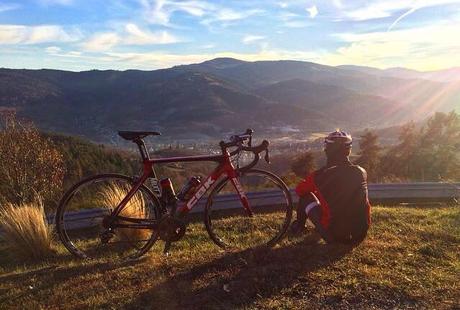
(171, 229)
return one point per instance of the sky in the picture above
(151, 34)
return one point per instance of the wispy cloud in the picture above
(4, 7)
(160, 11)
(58, 2)
(136, 36)
(130, 35)
(410, 11)
(283, 4)
(19, 34)
(251, 39)
(293, 20)
(226, 15)
(101, 42)
(53, 50)
(337, 3)
(386, 8)
(410, 47)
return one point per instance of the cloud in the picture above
(386, 8)
(19, 34)
(136, 36)
(251, 39)
(293, 20)
(160, 11)
(208, 46)
(130, 35)
(412, 10)
(57, 51)
(337, 3)
(226, 15)
(429, 47)
(296, 24)
(283, 5)
(101, 42)
(53, 50)
(4, 7)
(229, 14)
(313, 11)
(58, 2)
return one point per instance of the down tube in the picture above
(201, 191)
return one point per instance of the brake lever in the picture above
(266, 157)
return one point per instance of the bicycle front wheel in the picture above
(229, 224)
(84, 208)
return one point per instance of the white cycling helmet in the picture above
(338, 138)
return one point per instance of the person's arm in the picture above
(366, 193)
(306, 186)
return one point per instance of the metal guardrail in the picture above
(401, 192)
(407, 192)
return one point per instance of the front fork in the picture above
(243, 198)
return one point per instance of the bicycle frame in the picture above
(225, 167)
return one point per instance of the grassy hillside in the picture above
(411, 259)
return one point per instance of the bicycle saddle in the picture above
(135, 135)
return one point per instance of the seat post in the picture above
(142, 149)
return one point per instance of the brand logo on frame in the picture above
(200, 192)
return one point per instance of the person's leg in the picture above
(304, 202)
(314, 214)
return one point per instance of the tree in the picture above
(430, 153)
(439, 150)
(30, 164)
(303, 164)
(369, 154)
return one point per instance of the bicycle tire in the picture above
(72, 236)
(235, 223)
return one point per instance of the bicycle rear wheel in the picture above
(84, 207)
(229, 225)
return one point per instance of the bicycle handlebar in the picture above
(238, 140)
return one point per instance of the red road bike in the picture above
(113, 213)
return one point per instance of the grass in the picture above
(111, 195)
(26, 233)
(411, 259)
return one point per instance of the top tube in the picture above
(216, 158)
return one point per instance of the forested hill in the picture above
(83, 158)
(221, 96)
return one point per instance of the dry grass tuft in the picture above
(111, 196)
(26, 231)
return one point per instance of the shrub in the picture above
(26, 231)
(111, 196)
(30, 164)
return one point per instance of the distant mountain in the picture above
(338, 104)
(444, 76)
(213, 98)
(406, 91)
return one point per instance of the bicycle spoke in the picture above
(81, 226)
(227, 221)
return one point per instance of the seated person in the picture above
(335, 197)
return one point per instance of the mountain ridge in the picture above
(215, 97)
